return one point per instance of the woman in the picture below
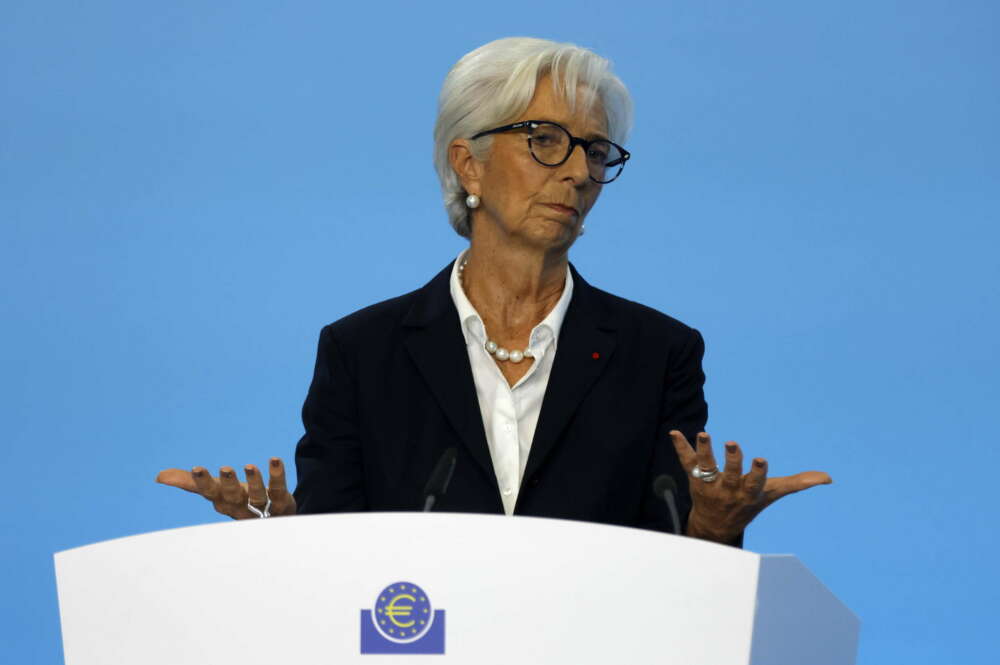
(560, 400)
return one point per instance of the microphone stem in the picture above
(675, 521)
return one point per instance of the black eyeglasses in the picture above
(551, 145)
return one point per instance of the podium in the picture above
(430, 587)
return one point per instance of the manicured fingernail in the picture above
(758, 463)
(730, 447)
(249, 470)
(275, 463)
(197, 473)
(227, 474)
(703, 437)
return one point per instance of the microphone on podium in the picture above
(437, 484)
(664, 487)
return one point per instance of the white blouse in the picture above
(510, 414)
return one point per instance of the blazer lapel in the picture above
(586, 343)
(435, 342)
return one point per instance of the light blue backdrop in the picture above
(190, 190)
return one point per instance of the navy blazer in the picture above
(393, 389)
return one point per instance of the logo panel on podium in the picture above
(402, 621)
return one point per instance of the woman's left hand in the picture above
(722, 509)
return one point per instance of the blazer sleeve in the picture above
(328, 457)
(683, 408)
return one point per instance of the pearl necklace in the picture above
(492, 347)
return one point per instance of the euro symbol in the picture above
(393, 610)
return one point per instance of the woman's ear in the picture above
(468, 169)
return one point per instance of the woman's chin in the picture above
(553, 236)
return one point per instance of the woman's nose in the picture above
(575, 165)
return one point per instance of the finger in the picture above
(756, 479)
(257, 495)
(276, 481)
(208, 486)
(177, 478)
(706, 458)
(232, 492)
(733, 472)
(785, 485)
(685, 452)
(282, 502)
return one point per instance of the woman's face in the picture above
(541, 206)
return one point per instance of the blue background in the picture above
(190, 190)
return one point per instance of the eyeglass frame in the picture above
(573, 142)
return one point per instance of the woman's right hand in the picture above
(229, 495)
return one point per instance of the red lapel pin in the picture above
(595, 355)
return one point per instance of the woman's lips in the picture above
(566, 210)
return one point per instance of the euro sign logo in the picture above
(402, 621)
(396, 612)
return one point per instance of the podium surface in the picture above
(491, 589)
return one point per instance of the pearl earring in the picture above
(583, 229)
(472, 201)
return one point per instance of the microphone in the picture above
(664, 487)
(437, 484)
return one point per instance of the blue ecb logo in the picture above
(402, 621)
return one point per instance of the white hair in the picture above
(495, 83)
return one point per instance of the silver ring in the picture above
(705, 475)
(261, 513)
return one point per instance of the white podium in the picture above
(403, 587)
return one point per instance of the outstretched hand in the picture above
(231, 497)
(724, 506)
